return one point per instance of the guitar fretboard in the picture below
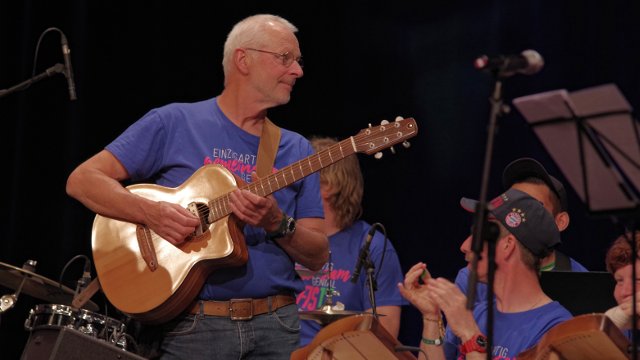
(219, 207)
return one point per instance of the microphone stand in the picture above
(480, 216)
(55, 69)
(372, 284)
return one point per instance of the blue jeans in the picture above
(268, 336)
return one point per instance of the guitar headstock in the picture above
(375, 138)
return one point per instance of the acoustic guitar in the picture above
(585, 337)
(151, 280)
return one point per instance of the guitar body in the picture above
(156, 296)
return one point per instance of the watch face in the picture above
(291, 225)
(482, 341)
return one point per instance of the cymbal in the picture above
(38, 286)
(325, 317)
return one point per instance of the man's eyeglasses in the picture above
(286, 58)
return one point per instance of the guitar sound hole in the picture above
(201, 210)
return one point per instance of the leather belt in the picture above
(240, 309)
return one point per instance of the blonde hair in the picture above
(344, 182)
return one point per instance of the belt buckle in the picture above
(232, 309)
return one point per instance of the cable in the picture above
(87, 267)
(35, 56)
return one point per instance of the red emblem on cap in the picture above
(497, 202)
(513, 219)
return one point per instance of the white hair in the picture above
(250, 32)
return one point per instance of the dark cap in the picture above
(524, 217)
(523, 168)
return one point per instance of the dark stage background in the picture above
(364, 62)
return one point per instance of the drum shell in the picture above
(55, 316)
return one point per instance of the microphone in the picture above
(364, 252)
(68, 73)
(528, 62)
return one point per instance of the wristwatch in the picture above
(478, 342)
(287, 227)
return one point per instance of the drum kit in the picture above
(57, 314)
(63, 313)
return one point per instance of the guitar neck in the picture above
(368, 141)
(302, 168)
(219, 207)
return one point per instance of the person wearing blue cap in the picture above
(523, 313)
(529, 176)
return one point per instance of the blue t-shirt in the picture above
(345, 248)
(513, 333)
(168, 144)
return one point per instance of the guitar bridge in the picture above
(202, 212)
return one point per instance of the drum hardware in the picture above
(8, 301)
(329, 312)
(80, 299)
(55, 316)
(25, 280)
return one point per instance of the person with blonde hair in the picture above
(341, 189)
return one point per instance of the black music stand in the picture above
(593, 138)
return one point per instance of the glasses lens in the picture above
(287, 59)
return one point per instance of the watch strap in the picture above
(477, 342)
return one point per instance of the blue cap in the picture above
(525, 218)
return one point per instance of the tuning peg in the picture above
(378, 155)
(406, 144)
(393, 151)
(399, 118)
(384, 122)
